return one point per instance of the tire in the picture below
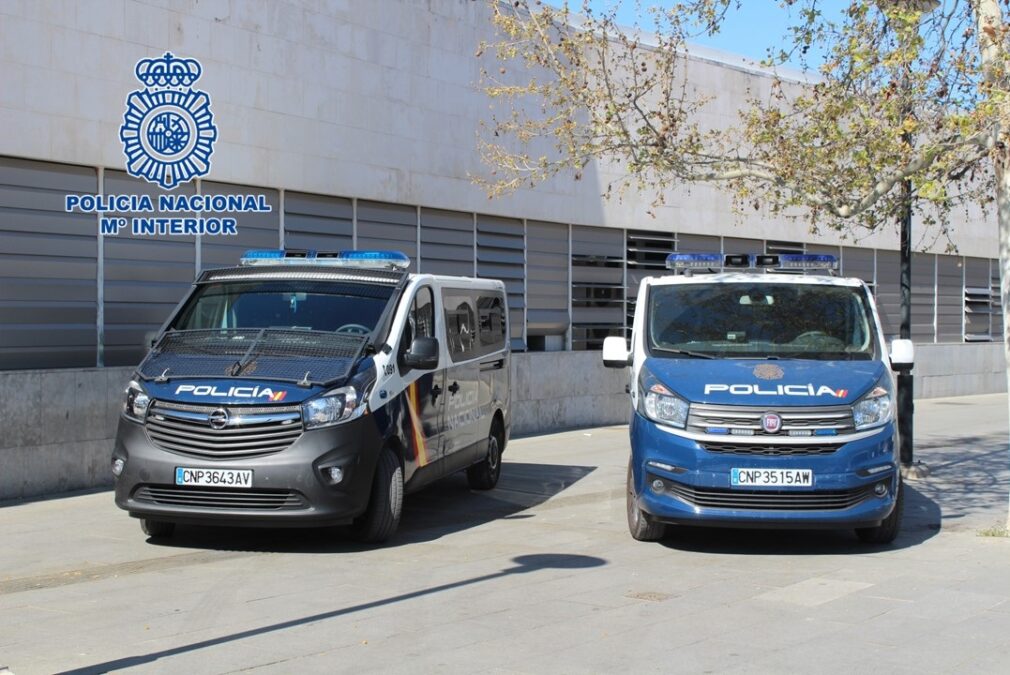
(888, 530)
(484, 475)
(382, 516)
(639, 524)
(157, 529)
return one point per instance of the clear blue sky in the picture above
(747, 31)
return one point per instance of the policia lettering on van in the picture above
(307, 388)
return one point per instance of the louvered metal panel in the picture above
(547, 282)
(646, 257)
(888, 290)
(317, 222)
(48, 295)
(501, 255)
(923, 296)
(740, 245)
(255, 230)
(145, 276)
(978, 301)
(949, 298)
(997, 311)
(447, 242)
(698, 243)
(388, 226)
(597, 285)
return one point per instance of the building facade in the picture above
(358, 122)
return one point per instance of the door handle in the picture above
(453, 388)
(435, 392)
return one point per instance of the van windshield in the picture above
(760, 320)
(339, 307)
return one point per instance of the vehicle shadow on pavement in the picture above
(922, 520)
(444, 507)
(523, 564)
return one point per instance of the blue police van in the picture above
(310, 388)
(760, 399)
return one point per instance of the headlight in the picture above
(876, 408)
(660, 404)
(137, 402)
(333, 407)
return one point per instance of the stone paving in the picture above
(539, 576)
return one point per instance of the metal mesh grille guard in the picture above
(270, 353)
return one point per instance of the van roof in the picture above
(751, 278)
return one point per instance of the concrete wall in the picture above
(959, 370)
(57, 426)
(56, 429)
(558, 390)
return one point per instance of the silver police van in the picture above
(307, 388)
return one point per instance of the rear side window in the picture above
(475, 323)
(491, 323)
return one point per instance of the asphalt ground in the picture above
(537, 576)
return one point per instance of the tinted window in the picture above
(757, 320)
(338, 307)
(460, 325)
(475, 323)
(491, 322)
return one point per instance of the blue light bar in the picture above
(808, 261)
(373, 259)
(262, 254)
(680, 261)
(794, 261)
(370, 258)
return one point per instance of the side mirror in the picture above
(150, 338)
(615, 352)
(902, 354)
(423, 354)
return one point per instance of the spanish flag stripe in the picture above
(413, 405)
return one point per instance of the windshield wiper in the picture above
(686, 352)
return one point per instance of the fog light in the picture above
(880, 489)
(117, 466)
(657, 485)
(335, 473)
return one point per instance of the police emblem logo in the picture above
(768, 371)
(168, 130)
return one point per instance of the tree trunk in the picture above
(989, 27)
(1003, 216)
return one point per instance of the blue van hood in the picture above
(230, 391)
(766, 381)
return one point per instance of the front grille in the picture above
(769, 500)
(746, 420)
(767, 450)
(220, 498)
(249, 432)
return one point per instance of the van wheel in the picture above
(484, 475)
(639, 524)
(382, 516)
(157, 529)
(888, 530)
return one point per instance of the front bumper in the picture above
(696, 490)
(289, 487)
